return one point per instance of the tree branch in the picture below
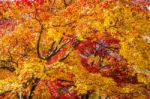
(74, 45)
(6, 65)
(34, 84)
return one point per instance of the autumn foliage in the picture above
(74, 49)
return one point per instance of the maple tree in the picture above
(72, 49)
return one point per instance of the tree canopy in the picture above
(74, 49)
